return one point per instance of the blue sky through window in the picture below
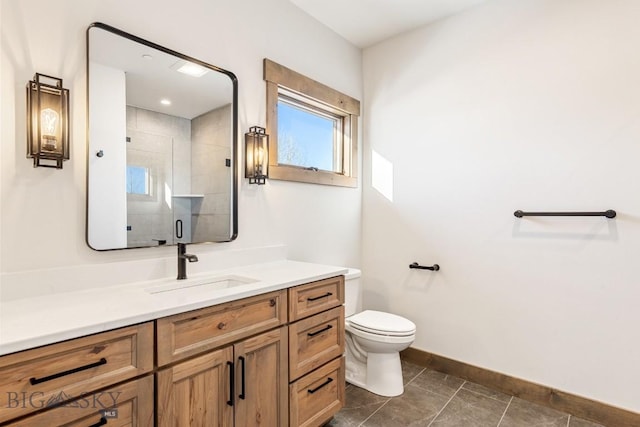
(304, 139)
(137, 180)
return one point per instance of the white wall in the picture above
(43, 210)
(532, 105)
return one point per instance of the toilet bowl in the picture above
(374, 340)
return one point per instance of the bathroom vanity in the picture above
(262, 352)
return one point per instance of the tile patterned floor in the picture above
(434, 399)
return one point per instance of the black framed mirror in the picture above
(162, 145)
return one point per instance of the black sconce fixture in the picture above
(256, 155)
(47, 121)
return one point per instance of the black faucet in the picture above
(183, 257)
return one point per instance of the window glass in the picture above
(307, 138)
(137, 180)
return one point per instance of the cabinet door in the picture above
(262, 380)
(197, 392)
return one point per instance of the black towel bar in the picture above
(434, 267)
(609, 214)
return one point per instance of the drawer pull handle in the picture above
(35, 381)
(242, 394)
(329, 380)
(326, 328)
(102, 422)
(221, 325)
(231, 383)
(272, 302)
(328, 294)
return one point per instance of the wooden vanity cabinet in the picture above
(292, 375)
(244, 384)
(316, 348)
(273, 360)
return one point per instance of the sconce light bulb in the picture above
(48, 120)
(48, 123)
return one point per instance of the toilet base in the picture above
(382, 373)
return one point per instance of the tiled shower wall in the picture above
(161, 143)
(210, 145)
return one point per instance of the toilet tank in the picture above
(352, 292)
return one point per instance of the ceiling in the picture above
(151, 76)
(367, 22)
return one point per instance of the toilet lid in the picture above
(386, 323)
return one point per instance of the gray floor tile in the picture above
(440, 400)
(477, 388)
(521, 413)
(439, 383)
(359, 405)
(470, 409)
(410, 371)
(579, 422)
(416, 407)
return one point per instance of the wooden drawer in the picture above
(314, 341)
(129, 404)
(65, 370)
(315, 297)
(318, 396)
(191, 333)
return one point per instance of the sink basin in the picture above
(202, 284)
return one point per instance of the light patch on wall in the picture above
(382, 175)
(167, 195)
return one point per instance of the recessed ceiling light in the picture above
(165, 101)
(191, 69)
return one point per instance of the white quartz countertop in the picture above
(32, 322)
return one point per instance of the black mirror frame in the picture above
(234, 150)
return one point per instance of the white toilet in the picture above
(373, 342)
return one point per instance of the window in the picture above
(137, 180)
(312, 129)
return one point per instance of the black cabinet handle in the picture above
(232, 388)
(242, 394)
(328, 294)
(102, 422)
(329, 380)
(35, 381)
(326, 328)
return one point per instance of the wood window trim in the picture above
(276, 76)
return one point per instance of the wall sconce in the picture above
(47, 121)
(256, 155)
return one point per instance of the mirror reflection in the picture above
(162, 145)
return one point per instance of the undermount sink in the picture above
(202, 284)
